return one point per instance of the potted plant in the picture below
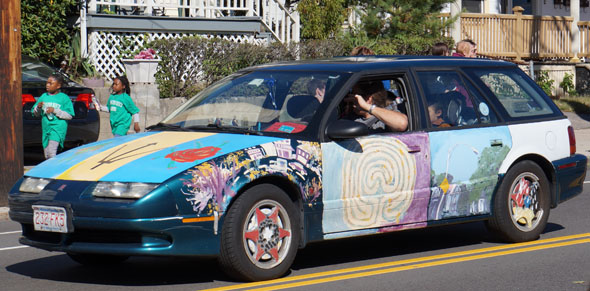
(93, 77)
(142, 68)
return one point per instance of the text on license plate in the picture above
(49, 218)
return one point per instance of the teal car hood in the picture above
(150, 157)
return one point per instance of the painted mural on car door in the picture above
(380, 181)
(464, 170)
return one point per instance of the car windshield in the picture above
(258, 101)
(35, 71)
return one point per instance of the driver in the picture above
(368, 104)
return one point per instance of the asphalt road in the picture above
(456, 257)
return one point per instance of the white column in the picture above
(91, 6)
(575, 13)
(494, 7)
(83, 30)
(456, 29)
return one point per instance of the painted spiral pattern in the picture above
(378, 184)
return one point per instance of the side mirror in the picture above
(343, 129)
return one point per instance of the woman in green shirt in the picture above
(121, 107)
(55, 108)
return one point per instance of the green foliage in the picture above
(356, 37)
(321, 49)
(189, 64)
(130, 46)
(45, 31)
(321, 19)
(544, 82)
(76, 66)
(568, 84)
(404, 26)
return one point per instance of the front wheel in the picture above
(521, 205)
(260, 234)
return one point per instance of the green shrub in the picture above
(545, 82)
(46, 32)
(568, 84)
(189, 64)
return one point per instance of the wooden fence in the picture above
(518, 36)
(584, 27)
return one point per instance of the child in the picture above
(435, 113)
(54, 108)
(121, 107)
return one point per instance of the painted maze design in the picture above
(378, 183)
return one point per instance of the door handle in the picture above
(414, 148)
(496, 143)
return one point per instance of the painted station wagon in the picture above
(264, 162)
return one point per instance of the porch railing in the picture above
(275, 17)
(519, 36)
(584, 27)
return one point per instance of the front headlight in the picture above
(122, 190)
(33, 185)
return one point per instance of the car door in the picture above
(378, 182)
(466, 148)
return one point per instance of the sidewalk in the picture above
(581, 124)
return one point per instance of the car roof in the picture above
(363, 63)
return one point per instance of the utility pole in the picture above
(11, 120)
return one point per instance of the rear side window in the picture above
(514, 92)
(452, 102)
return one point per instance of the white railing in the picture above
(276, 18)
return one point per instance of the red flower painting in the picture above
(191, 155)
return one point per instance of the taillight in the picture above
(86, 98)
(28, 98)
(572, 138)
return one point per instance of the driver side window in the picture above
(380, 103)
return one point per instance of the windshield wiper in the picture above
(221, 128)
(164, 126)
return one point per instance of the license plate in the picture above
(49, 218)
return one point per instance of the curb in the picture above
(4, 213)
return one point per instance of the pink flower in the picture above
(146, 54)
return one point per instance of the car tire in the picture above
(521, 205)
(97, 259)
(260, 234)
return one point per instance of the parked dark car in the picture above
(84, 126)
(255, 167)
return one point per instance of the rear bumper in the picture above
(570, 174)
(80, 131)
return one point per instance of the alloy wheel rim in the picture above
(267, 234)
(523, 202)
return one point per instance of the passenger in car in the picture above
(317, 88)
(435, 112)
(369, 104)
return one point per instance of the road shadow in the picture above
(402, 244)
(137, 271)
(156, 271)
(581, 109)
(393, 244)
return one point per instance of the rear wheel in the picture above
(521, 205)
(97, 259)
(260, 234)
